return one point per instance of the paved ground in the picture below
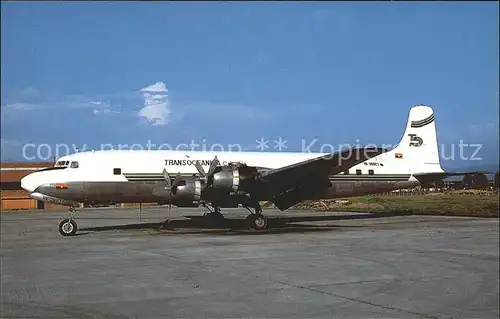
(339, 266)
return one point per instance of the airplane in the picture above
(228, 179)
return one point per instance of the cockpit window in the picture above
(74, 164)
(62, 163)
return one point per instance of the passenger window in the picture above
(358, 172)
(74, 165)
(117, 171)
(370, 172)
(346, 172)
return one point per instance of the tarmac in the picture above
(126, 264)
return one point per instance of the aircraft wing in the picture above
(291, 184)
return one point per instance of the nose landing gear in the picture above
(68, 227)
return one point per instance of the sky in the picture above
(86, 75)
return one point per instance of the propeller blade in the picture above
(167, 178)
(200, 169)
(177, 180)
(213, 166)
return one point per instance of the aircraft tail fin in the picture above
(418, 148)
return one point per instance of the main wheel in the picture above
(257, 221)
(67, 227)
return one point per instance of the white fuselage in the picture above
(136, 176)
(99, 166)
(130, 176)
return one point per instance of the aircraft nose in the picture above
(29, 183)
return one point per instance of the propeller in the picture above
(176, 182)
(170, 186)
(211, 169)
(166, 176)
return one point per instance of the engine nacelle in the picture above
(187, 190)
(233, 178)
(221, 186)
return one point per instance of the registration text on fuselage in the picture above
(189, 162)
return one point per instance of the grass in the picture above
(449, 204)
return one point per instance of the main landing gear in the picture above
(256, 220)
(213, 217)
(68, 226)
(215, 213)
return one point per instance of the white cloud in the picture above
(20, 106)
(156, 108)
(158, 87)
(98, 104)
(64, 102)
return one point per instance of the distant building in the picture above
(12, 195)
(473, 181)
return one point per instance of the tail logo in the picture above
(423, 122)
(415, 140)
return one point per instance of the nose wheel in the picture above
(68, 226)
